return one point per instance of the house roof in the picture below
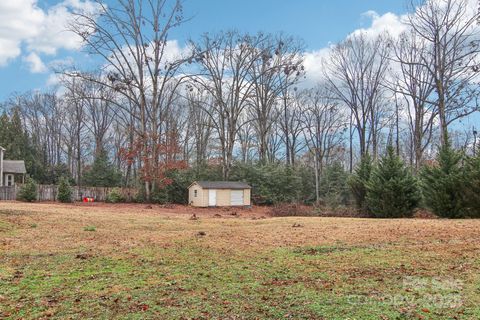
(222, 184)
(14, 166)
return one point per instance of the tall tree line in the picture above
(239, 97)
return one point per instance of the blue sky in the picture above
(317, 22)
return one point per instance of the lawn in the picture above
(134, 262)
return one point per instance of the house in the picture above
(11, 170)
(219, 194)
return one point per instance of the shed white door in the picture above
(212, 198)
(236, 198)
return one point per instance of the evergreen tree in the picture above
(273, 183)
(471, 187)
(392, 190)
(442, 184)
(4, 125)
(64, 191)
(333, 187)
(28, 192)
(102, 173)
(358, 182)
(15, 139)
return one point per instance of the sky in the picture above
(33, 37)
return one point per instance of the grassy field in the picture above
(131, 262)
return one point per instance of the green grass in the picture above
(187, 281)
(90, 228)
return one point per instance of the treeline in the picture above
(236, 106)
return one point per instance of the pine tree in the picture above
(442, 184)
(4, 124)
(358, 182)
(392, 190)
(28, 192)
(102, 173)
(471, 187)
(64, 191)
(333, 186)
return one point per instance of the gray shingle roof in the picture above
(223, 185)
(14, 166)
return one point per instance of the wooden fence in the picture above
(50, 192)
(8, 193)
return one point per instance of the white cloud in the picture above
(25, 27)
(379, 24)
(35, 64)
(391, 23)
(313, 65)
(53, 80)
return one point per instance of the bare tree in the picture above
(325, 125)
(247, 140)
(448, 29)
(99, 113)
(291, 124)
(132, 39)
(278, 67)
(199, 122)
(75, 126)
(415, 85)
(226, 60)
(356, 71)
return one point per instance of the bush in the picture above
(359, 180)
(291, 210)
(115, 196)
(64, 191)
(28, 192)
(443, 185)
(275, 183)
(392, 190)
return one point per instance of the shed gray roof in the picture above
(223, 185)
(14, 166)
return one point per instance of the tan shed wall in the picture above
(205, 198)
(247, 197)
(198, 201)
(223, 197)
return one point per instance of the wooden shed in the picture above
(219, 194)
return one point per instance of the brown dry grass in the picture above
(60, 227)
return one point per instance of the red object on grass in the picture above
(86, 199)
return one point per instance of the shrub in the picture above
(358, 182)
(115, 196)
(275, 183)
(291, 210)
(64, 191)
(28, 192)
(442, 184)
(392, 190)
(90, 228)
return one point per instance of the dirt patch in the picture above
(292, 210)
(424, 214)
